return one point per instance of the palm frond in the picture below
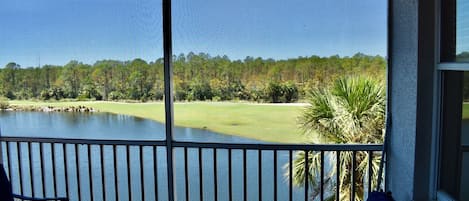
(350, 111)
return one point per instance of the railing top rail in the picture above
(84, 141)
(310, 147)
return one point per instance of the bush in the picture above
(68, 92)
(159, 95)
(274, 92)
(44, 95)
(143, 99)
(24, 94)
(200, 91)
(89, 92)
(180, 95)
(10, 95)
(290, 92)
(4, 104)
(256, 94)
(216, 98)
(57, 93)
(239, 91)
(115, 95)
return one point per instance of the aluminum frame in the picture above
(170, 143)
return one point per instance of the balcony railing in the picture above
(99, 170)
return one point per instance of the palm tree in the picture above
(350, 111)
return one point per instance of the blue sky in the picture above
(462, 26)
(57, 31)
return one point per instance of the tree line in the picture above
(196, 77)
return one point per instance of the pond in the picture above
(101, 126)
(110, 126)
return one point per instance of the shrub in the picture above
(159, 95)
(216, 98)
(256, 94)
(4, 104)
(23, 94)
(115, 95)
(44, 95)
(274, 92)
(290, 92)
(10, 95)
(57, 93)
(89, 92)
(180, 95)
(200, 91)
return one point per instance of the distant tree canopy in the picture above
(196, 77)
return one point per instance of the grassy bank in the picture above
(267, 122)
(465, 110)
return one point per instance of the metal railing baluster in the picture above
(116, 180)
(54, 166)
(31, 172)
(201, 182)
(370, 170)
(337, 166)
(186, 174)
(90, 173)
(245, 183)
(142, 175)
(155, 170)
(321, 187)
(20, 165)
(290, 173)
(215, 174)
(129, 178)
(64, 153)
(259, 172)
(354, 161)
(43, 171)
(230, 185)
(103, 176)
(306, 175)
(77, 165)
(275, 175)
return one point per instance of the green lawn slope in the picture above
(266, 122)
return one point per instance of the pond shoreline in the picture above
(270, 123)
(29, 108)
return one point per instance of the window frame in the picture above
(170, 142)
(445, 33)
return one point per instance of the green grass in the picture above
(465, 110)
(267, 122)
